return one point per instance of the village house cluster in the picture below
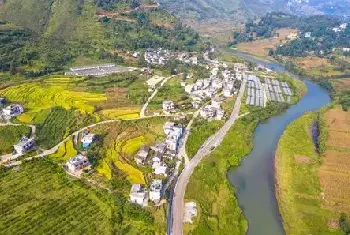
(97, 70)
(162, 56)
(218, 84)
(155, 157)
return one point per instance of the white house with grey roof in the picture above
(138, 195)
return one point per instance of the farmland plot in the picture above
(334, 172)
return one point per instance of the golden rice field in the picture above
(121, 113)
(334, 172)
(65, 151)
(53, 92)
(134, 175)
(132, 145)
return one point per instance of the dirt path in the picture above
(144, 107)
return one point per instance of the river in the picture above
(254, 178)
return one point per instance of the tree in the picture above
(12, 68)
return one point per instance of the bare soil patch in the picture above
(338, 120)
(334, 172)
(334, 224)
(302, 159)
(261, 47)
(342, 84)
(338, 139)
(312, 62)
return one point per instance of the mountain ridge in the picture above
(216, 9)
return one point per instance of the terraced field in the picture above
(122, 141)
(54, 92)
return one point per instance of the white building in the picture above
(168, 105)
(308, 35)
(142, 155)
(87, 139)
(138, 195)
(168, 127)
(156, 188)
(13, 110)
(77, 163)
(189, 88)
(24, 145)
(190, 212)
(227, 92)
(160, 169)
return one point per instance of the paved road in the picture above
(144, 107)
(177, 207)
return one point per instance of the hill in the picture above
(244, 9)
(53, 33)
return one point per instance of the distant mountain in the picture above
(49, 34)
(243, 9)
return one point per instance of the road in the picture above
(144, 107)
(176, 213)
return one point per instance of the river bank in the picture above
(254, 178)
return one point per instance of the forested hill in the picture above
(48, 34)
(245, 9)
(318, 34)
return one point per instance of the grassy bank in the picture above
(298, 188)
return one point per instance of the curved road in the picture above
(177, 213)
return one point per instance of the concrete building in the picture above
(87, 140)
(160, 148)
(13, 110)
(77, 163)
(155, 192)
(142, 155)
(160, 169)
(190, 212)
(2, 101)
(24, 145)
(168, 105)
(138, 195)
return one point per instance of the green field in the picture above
(200, 132)
(40, 198)
(10, 135)
(172, 90)
(299, 191)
